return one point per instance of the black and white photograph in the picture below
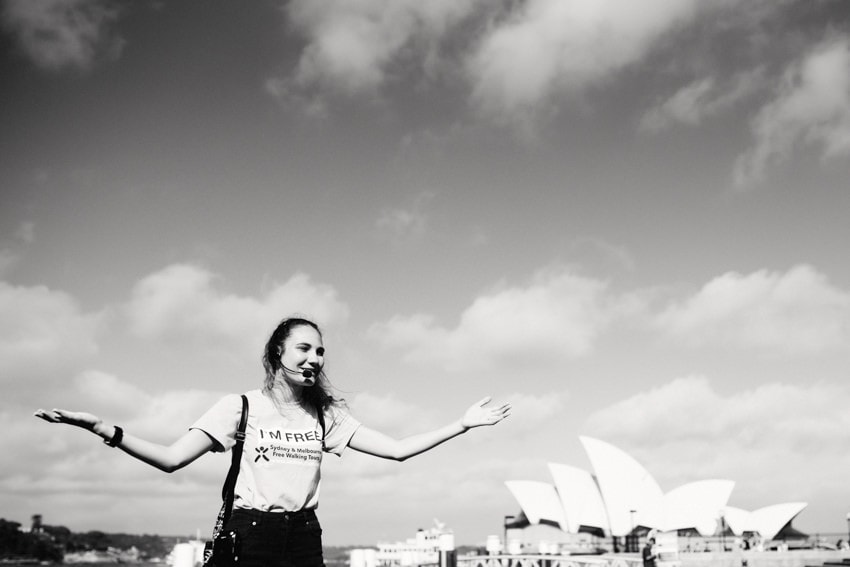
(582, 265)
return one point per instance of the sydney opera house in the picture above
(620, 498)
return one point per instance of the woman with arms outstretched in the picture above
(292, 420)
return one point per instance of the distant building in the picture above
(187, 554)
(623, 499)
(36, 524)
(423, 548)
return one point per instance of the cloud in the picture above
(811, 108)
(486, 457)
(56, 34)
(530, 411)
(99, 390)
(469, 492)
(798, 311)
(183, 302)
(685, 430)
(352, 46)
(311, 105)
(405, 224)
(700, 100)
(556, 315)
(596, 250)
(26, 232)
(520, 59)
(397, 418)
(61, 468)
(9, 257)
(42, 330)
(163, 415)
(547, 48)
(388, 413)
(7, 260)
(401, 222)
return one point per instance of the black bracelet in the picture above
(116, 437)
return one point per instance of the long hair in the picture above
(319, 394)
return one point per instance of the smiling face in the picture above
(302, 350)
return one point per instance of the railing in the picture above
(545, 561)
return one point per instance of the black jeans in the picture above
(278, 539)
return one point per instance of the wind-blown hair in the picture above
(319, 394)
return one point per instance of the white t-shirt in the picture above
(281, 461)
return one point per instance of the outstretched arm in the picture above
(376, 443)
(168, 458)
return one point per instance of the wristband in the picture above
(116, 437)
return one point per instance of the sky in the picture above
(627, 219)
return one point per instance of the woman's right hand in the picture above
(167, 458)
(84, 420)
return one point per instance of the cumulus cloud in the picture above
(557, 314)
(358, 479)
(530, 411)
(56, 34)
(685, 430)
(798, 311)
(395, 417)
(42, 330)
(101, 390)
(470, 491)
(389, 413)
(352, 46)
(550, 47)
(64, 466)
(520, 59)
(811, 108)
(159, 415)
(700, 100)
(183, 301)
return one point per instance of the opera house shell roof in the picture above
(622, 497)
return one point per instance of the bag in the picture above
(223, 550)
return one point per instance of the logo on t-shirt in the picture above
(261, 453)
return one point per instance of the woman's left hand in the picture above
(478, 415)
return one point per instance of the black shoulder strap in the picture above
(321, 414)
(230, 482)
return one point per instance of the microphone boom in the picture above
(305, 373)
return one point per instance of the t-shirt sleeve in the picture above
(220, 422)
(340, 428)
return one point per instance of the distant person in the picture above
(291, 421)
(648, 553)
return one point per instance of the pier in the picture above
(792, 558)
(544, 561)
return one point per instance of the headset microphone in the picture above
(305, 373)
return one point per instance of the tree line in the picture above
(51, 543)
